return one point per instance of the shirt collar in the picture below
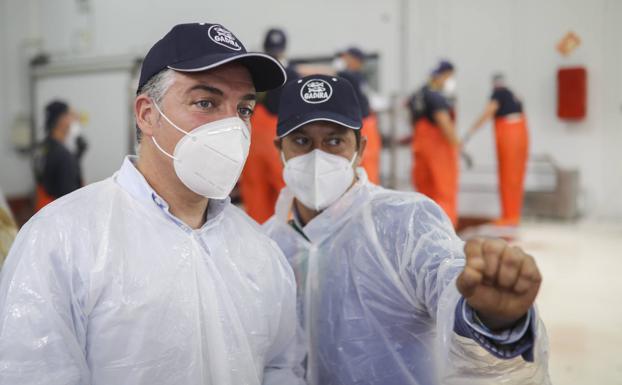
(132, 180)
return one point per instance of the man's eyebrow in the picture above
(218, 91)
(337, 131)
(207, 88)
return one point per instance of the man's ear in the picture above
(278, 143)
(144, 113)
(361, 151)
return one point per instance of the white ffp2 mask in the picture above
(339, 64)
(318, 178)
(209, 159)
(449, 87)
(75, 129)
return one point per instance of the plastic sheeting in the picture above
(377, 294)
(104, 287)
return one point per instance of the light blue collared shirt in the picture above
(132, 181)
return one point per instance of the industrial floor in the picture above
(580, 300)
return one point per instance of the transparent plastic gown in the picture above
(103, 287)
(376, 280)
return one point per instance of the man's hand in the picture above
(500, 282)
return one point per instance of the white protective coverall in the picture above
(376, 284)
(104, 286)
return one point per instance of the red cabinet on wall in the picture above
(572, 93)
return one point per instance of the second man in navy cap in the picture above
(387, 292)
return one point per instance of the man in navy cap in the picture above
(435, 143)
(152, 276)
(387, 293)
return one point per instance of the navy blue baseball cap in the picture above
(198, 47)
(356, 52)
(443, 66)
(275, 40)
(318, 98)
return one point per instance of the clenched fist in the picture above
(500, 282)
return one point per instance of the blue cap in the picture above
(202, 46)
(356, 52)
(275, 40)
(498, 77)
(443, 66)
(318, 98)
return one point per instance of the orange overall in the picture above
(261, 180)
(42, 198)
(512, 149)
(371, 157)
(435, 169)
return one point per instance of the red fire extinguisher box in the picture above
(572, 93)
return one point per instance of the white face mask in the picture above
(449, 87)
(209, 159)
(339, 64)
(75, 129)
(318, 178)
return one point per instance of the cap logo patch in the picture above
(316, 91)
(220, 35)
